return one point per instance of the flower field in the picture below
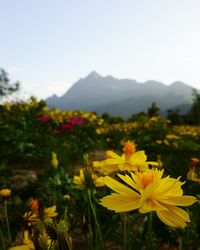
(76, 180)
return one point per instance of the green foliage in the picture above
(194, 112)
(6, 87)
(30, 133)
(153, 110)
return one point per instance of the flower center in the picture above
(146, 178)
(129, 149)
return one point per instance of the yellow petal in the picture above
(118, 187)
(185, 200)
(174, 217)
(99, 182)
(138, 157)
(22, 247)
(120, 203)
(128, 180)
(113, 161)
(151, 205)
(111, 154)
(170, 187)
(51, 211)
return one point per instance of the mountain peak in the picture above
(93, 75)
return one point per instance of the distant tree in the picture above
(174, 116)
(6, 87)
(153, 110)
(194, 112)
(106, 116)
(138, 116)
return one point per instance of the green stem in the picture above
(126, 221)
(7, 221)
(95, 219)
(180, 241)
(2, 239)
(150, 239)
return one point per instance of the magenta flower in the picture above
(76, 120)
(66, 126)
(43, 118)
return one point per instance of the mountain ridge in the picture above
(122, 97)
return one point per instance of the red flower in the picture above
(43, 118)
(76, 120)
(66, 126)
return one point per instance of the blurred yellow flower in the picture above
(149, 192)
(130, 160)
(192, 175)
(50, 212)
(54, 160)
(33, 216)
(5, 192)
(87, 179)
(66, 197)
(28, 244)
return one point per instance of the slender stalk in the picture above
(2, 239)
(7, 221)
(96, 220)
(126, 222)
(180, 241)
(149, 233)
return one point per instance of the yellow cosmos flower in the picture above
(50, 212)
(33, 216)
(54, 160)
(5, 192)
(28, 244)
(149, 192)
(87, 179)
(130, 160)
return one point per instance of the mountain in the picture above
(121, 97)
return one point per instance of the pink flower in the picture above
(43, 118)
(66, 126)
(76, 120)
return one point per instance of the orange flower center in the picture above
(146, 178)
(129, 149)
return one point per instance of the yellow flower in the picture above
(33, 216)
(50, 212)
(130, 160)
(87, 179)
(149, 192)
(54, 160)
(5, 192)
(192, 175)
(66, 197)
(28, 244)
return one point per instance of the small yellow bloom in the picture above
(54, 160)
(130, 160)
(28, 244)
(192, 175)
(50, 212)
(66, 197)
(87, 179)
(33, 216)
(5, 192)
(148, 192)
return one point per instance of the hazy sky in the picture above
(49, 44)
